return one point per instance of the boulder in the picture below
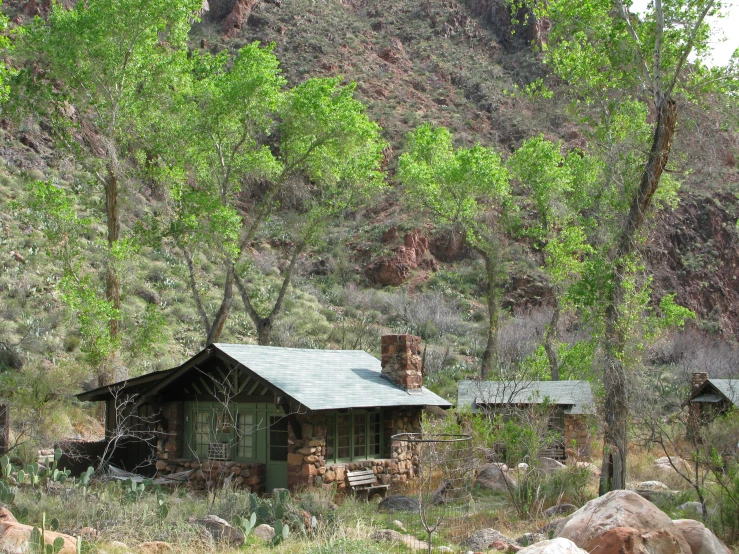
(554, 546)
(623, 518)
(550, 464)
(221, 530)
(692, 508)
(493, 477)
(398, 503)
(560, 510)
(522, 466)
(592, 468)
(264, 532)
(700, 539)
(652, 486)
(15, 537)
(482, 539)
(663, 463)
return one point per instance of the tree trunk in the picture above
(219, 321)
(490, 355)
(112, 284)
(550, 336)
(264, 331)
(264, 325)
(613, 471)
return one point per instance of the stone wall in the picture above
(307, 456)
(577, 436)
(208, 474)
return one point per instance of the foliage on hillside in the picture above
(444, 62)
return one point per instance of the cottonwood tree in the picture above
(96, 70)
(554, 188)
(250, 143)
(468, 189)
(622, 65)
(54, 211)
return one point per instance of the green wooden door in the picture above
(277, 452)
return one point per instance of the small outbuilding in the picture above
(570, 404)
(268, 417)
(712, 397)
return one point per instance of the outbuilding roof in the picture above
(576, 397)
(317, 379)
(727, 389)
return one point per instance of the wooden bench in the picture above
(364, 483)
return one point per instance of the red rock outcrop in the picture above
(238, 16)
(396, 269)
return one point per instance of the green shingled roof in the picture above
(575, 396)
(728, 387)
(327, 379)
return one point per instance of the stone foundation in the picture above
(306, 461)
(208, 474)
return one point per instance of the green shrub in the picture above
(566, 485)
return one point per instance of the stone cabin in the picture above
(571, 404)
(265, 417)
(710, 398)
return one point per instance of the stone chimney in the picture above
(698, 379)
(401, 361)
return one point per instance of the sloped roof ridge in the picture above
(356, 350)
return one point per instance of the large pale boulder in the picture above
(701, 539)
(623, 518)
(15, 537)
(494, 477)
(554, 546)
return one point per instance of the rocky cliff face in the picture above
(694, 252)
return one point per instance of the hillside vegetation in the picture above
(461, 65)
